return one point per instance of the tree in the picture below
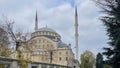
(111, 20)
(4, 43)
(87, 60)
(106, 66)
(19, 42)
(99, 61)
(4, 40)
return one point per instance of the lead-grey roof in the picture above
(61, 44)
(46, 29)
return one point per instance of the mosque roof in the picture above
(62, 44)
(46, 29)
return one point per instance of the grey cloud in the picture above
(61, 19)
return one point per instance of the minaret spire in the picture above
(76, 32)
(36, 22)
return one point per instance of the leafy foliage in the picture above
(22, 60)
(19, 42)
(87, 60)
(4, 43)
(4, 40)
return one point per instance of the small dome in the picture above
(62, 44)
(46, 29)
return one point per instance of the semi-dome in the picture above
(46, 29)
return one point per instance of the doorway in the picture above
(34, 67)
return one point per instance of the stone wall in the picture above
(13, 63)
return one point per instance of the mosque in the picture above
(46, 46)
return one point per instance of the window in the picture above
(41, 33)
(59, 53)
(66, 58)
(47, 45)
(43, 41)
(44, 66)
(40, 52)
(51, 67)
(34, 66)
(57, 66)
(37, 33)
(51, 46)
(66, 52)
(35, 41)
(47, 42)
(39, 46)
(46, 33)
(60, 58)
(39, 40)
(43, 46)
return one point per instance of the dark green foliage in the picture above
(106, 66)
(111, 20)
(99, 61)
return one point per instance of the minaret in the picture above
(36, 22)
(76, 33)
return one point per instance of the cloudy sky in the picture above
(59, 15)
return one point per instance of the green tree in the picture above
(87, 60)
(106, 66)
(99, 61)
(111, 20)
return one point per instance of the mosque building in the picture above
(47, 47)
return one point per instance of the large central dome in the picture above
(46, 29)
(46, 32)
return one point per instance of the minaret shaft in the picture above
(36, 22)
(76, 32)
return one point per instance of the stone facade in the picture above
(47, 47)
(13, 63)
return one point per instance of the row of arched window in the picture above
(45, 33)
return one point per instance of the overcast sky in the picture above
(59, 15)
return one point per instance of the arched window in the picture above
(66, 58)
(39, 40)
(66, 52)
(43, 41)
(59, 53)
(48, 45)
(60, 58)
